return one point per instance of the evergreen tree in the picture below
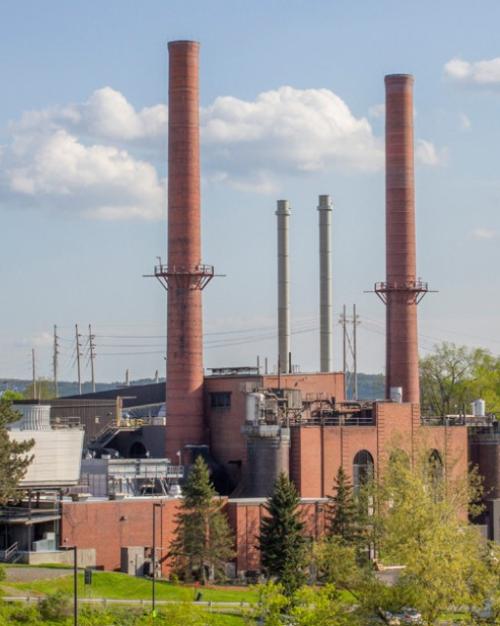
(203, 541)
(14, 458)
(343, 516)
(282, 543)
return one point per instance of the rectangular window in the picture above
(220, 400)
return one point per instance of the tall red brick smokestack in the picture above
(184, 276)
(402, 290)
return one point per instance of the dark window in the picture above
(362, 469)
(220, 400)
(435, 468)
(137, 450)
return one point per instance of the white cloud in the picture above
(286, 131)
(56, 170)
(484, 233)
(486, 72)
(107, 114)
(377, 110)
(89, 158)
(40, 340)
(426, 153)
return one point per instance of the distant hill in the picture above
(370, 386)
(67, 388)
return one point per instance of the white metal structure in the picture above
(56, 456)
(283, 214)
(325, 283)
(396, 394)
(34, 417)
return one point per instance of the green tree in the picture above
(44, 389)
(282, 543)
(337, 563)
(321, 607)
(14, 458)
(421, 524)
(307, 606)
(10, 395)
(343, 512)
(203, 542)
(453, 376)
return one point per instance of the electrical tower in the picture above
(350, 325)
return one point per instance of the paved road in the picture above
(108, 601)
(30, 574)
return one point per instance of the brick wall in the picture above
(110, 525)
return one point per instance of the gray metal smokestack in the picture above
(283, 214)
(325, 283)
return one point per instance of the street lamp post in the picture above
(75, 585)
(153, 560)
(75, 580)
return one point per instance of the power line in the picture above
(55, 361)
(77, 340)
(92, 357)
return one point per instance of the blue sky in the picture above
(291, 96)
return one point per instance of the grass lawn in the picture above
(121, 586)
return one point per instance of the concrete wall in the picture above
(85, 558)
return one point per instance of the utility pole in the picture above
(156, 505)
(75, 585)
(55, 362)
(350, 351)
(92, 357)
(343, 323)
(77, 337)
(33, 366)
(355, 322)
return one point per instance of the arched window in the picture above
(362, 469)
(436, 467)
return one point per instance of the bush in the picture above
(18, 614)
(56, 607)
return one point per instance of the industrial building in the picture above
(249, 424)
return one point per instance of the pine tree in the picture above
(203, 541)
(282, 543)
(343, 512)
(14, 458)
